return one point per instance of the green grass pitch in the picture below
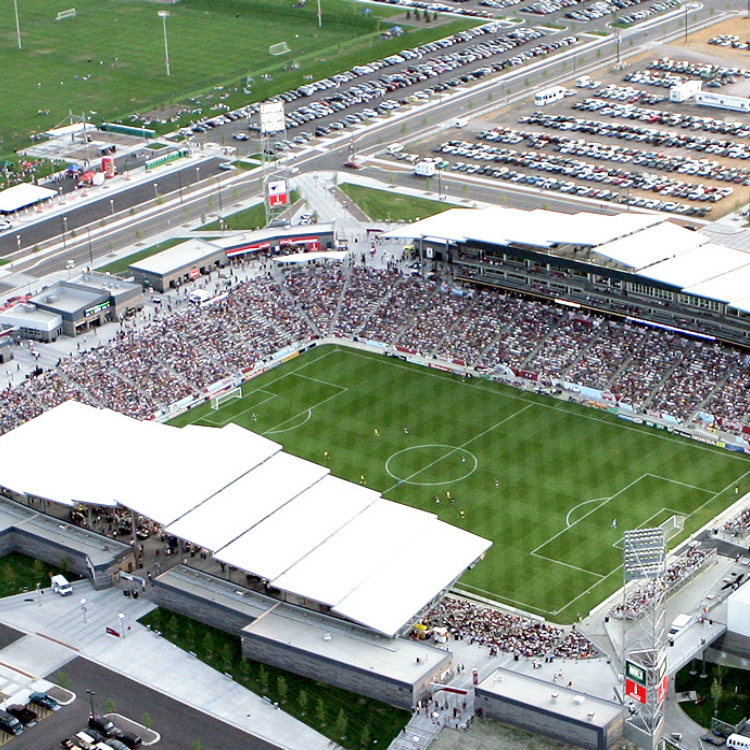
(109, 59)
(542, 479)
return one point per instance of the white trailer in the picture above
(722, 101)
(681, 92)
(425, 169)
(547, 96)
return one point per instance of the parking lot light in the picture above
(164, 15)
(91, 695)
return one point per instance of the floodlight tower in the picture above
(644, 636)
(272, 130)
(164, 15)
(18, 23)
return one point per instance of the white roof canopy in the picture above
(261, 510)
(25, 194)
(692, 267)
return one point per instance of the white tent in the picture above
(23, 195)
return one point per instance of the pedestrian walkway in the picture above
(102, 627)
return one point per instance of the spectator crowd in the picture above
(179, 353)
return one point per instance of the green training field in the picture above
(542, 479)
(110, 58)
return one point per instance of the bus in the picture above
(547, 96)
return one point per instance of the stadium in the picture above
(361, 455)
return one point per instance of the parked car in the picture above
(102, 725)
(10, 724)
(45, 701)
(24, 714)
(129, 739)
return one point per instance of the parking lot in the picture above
(616, 137)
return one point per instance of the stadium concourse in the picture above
(255, 507)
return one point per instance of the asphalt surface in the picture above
(8, 636)
(179, 726)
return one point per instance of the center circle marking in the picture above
(450, 450)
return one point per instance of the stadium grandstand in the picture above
(627, 265)
(277, 517)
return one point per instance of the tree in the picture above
(281, 688)
(197, 745)
(170, 627)
(263, 678)
(190, 636)
(339, 729)
(408, 14)
(147, 721)
(320, 713)
(208, 645)
(227, 656)
(364, 738)
(717, 692)
(303, 702)
(109, 706)
(62, 680)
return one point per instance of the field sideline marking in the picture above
(650, 433)
(462, 446)
(278, 428)
(567, 565)
(682, 484)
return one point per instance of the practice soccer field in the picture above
(544, 480)
(110, 58)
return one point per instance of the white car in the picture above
(5, 224)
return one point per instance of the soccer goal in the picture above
(278, 49)
(222, 398)
(674, 525)
(66, 14)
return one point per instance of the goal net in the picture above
(233, 394)
(63, 14)
(674, 525)
(278, 49)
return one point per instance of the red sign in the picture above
(277, 199)
(662, 689)
(194, 274)
(634, 690)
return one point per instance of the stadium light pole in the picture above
(164, 15)
(18, 23)
(320, 16)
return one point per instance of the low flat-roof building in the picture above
(557, 712)
(88, 300)
(29, 322)
(178, 265)
(397, 671)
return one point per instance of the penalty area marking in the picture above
(452, 449)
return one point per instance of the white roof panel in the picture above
(652, 245)
(541, 228)
(24, 194)
(334, 569)
(694, 266)
(729, 287)
(284, 538)
(386, 604)
(247, 501)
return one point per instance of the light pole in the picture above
(18, 241)
(197, 174)
(156, 191)
(18, 23)
(320, 16)
(121, 616)
(179, 176)
(84, 609)
(91, 695)
(65, 229)
(39, 594)
(112, 206)
(164, 15)
(91, 252)
(218, 189)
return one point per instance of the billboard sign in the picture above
(276, 193)
(271, 117)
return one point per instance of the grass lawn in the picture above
(110, 59)
(249, 218)
(120, 265)
(19, 573)
(384, 205)
(542, 479)
(352, 721)
(731, 707)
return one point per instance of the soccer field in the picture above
(110, 58)
(544, 480)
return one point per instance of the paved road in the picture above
(179, 725)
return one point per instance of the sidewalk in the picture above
(61, 629)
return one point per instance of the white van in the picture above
(199, 296)
(678, 625)
(60, 585)
(583, 82)
(739, 741)
(394, 148)
(86, 741)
